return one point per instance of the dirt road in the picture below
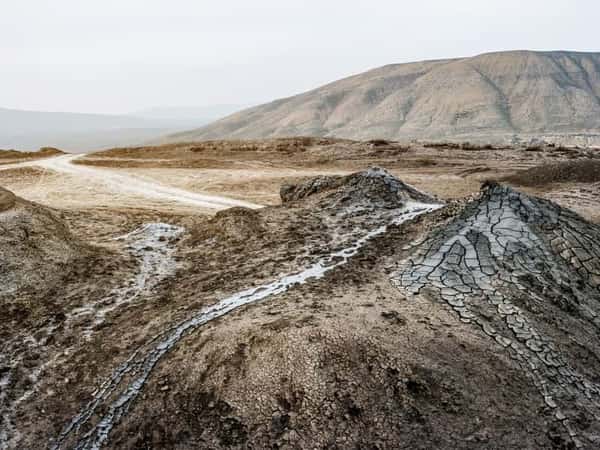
(121, 183)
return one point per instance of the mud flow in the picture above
(360, 311)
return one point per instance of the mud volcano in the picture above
(360, 313)
(489, 323)
(375, 186)
(527, 274)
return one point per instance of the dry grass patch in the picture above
(580, 171)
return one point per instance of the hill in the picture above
(36, 246)
(504, 96)
(9, 156)
(489, 322)
(77, 132)
(359, 312)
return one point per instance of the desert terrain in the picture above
(301, 293)
(501, 97)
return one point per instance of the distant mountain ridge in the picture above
(493, 96)
(78, 132)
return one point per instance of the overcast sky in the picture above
(117, 56)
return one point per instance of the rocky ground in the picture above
(359, 312)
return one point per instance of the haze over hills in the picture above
(496, 97)
(77, 132)
(196, 114)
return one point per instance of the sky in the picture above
(119, 56)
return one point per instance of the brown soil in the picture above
(22, 175)
(36, 244)
(580, 171)
(346, 361)
(298, 152)
(9, 156)
(342, 362)
(255, 170)
(7, 200)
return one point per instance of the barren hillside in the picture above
(359, 313)
(496, 96)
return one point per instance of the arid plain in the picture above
(275, 294)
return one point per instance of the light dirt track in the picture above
(128, 184)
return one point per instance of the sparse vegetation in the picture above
(580, 171)
(426, 162)
(44, 152)
(449, 145)
(471, 146)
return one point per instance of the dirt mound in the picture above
(375, 186)
(355, 202)
(492, 319)
(526, 272)
(321, 215)
(292, 192)
(7, 200)
(301, 380)
(281, 329)
(580, 171)
(233, 224)
(35, 245)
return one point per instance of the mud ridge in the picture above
(152, 246)
(507, 246)
(117, 394)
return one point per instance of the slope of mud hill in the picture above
(35, 244)
(319, 216)
(374, 188)
(7, 200)
(470, 327)
(47, 273)
(68, 292)
(360, 313)
(573, 184)
(526, 273)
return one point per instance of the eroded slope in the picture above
(36, 245)
(491, 96)
(527, 273)
(360, 313)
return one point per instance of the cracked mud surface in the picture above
(503, 266)
(350, 316)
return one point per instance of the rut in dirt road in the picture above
(114, 398)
